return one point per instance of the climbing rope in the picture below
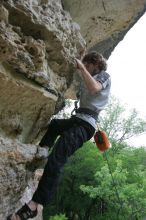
(113, 181)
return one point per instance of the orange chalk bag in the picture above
(101, 140)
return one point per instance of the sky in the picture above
(127, 67)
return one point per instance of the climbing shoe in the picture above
(24, 213)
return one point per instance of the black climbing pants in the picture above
(73, 133)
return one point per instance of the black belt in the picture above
(88, 112)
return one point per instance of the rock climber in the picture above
(73, 132)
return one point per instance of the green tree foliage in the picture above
(120, 197)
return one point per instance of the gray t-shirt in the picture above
(97, 101)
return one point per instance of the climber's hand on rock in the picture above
(79, 64)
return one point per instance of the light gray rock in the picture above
(105, 22)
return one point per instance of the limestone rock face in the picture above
(39, 40)
(105, 22)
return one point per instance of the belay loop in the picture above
(101, 140)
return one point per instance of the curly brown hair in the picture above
(95, 58)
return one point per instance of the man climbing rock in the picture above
(93, 96)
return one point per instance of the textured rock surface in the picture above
(38, 42)
(17, 165)
(24, 108)
(105, 22)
